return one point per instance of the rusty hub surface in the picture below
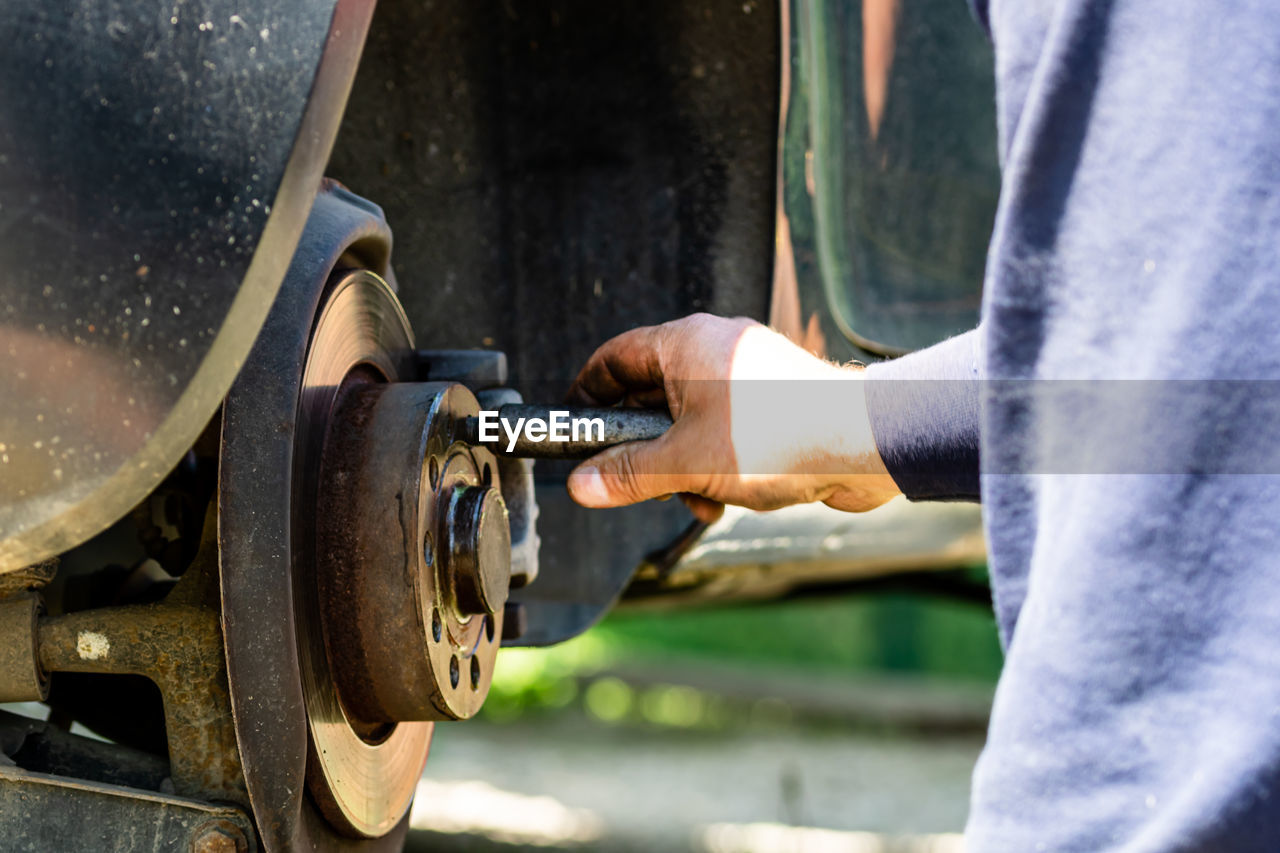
(414, 555)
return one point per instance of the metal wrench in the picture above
(618, 425)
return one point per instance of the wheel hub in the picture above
(405, 559)
(414, 554)
(364, 547)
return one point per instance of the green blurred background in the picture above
(855, 637)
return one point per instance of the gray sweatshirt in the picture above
(1121, 395)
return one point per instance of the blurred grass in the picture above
(848, 636)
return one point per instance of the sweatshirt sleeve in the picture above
(924, 416)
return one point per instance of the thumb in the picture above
(626, 474)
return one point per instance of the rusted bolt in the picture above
(218, 836)
(480, 541)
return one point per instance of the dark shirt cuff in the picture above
(924, 416)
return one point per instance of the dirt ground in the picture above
(567, 781)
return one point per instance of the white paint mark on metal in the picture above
(93, 646)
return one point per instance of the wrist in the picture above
(796, 417)
(859, 478)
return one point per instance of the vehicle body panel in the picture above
(156, 168)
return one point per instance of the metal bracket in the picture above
(478, 369)
(90, 816)
(178, 647)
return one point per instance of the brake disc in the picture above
(362, 777)
(365, 551)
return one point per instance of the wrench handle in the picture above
(589, 429)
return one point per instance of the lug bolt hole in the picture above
(428, 549)
(436, 629)
(454, 671)
(475, 674)
(488, 628)
(433, 472)
(487, 476)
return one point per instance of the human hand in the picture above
(758, 422)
